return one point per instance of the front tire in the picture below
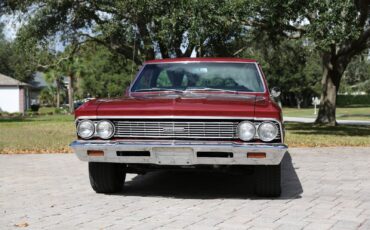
(106, 177)
(268, 180)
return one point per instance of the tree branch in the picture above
(122, 49)
(288, 31)
(60, 60)
(240, 50)
(355, 46)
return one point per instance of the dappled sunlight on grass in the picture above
(37, 135)
(51, 118)
(53, 134)
(309, 135)
(355, 113)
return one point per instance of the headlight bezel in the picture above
(239, 131)
(93, 130)
(97, 128)
(260, 128)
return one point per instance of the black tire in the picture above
(268, 180)
(106, 177)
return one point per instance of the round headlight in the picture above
(246, 130)
(105, 129)
(85, 129)
(267, 131)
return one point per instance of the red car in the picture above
(207, 113)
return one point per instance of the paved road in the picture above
(323, 188)
(312, 120)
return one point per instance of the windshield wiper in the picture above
(209, 89)
(189, 89)
(157, 89)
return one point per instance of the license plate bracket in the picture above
(173, 155)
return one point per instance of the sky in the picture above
(11, 26)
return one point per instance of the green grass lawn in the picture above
(39, 134)
(309, 135)
(53, 134)
(356, 113)
(46, 110)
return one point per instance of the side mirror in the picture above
(275, 92)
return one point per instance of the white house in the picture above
(14, 95)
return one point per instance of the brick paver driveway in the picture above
(322, 188)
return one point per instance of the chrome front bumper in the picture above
(177, 152)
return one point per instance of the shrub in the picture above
(348, 100)
(30, 113)
(35, 107)
(60, 111)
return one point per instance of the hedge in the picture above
(348, 100)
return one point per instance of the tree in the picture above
(6, 52)
(356, 78)
(47, 96)
(338, 30)
(13, 61)
(141, 30)
(289, 65)
(73, 70)
(137, 30)
(55, 76)
(106, 75)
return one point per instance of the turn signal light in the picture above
(256, 155)
(95, 153)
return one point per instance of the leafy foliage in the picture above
(5, 54)
(357, 76)
(134, 29)
(104, 75)
(354, 100)
(297, 77)
(329, 32)
(13, 61)
(337, 30)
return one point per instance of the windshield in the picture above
(199, 76)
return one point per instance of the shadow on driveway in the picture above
(208, 185)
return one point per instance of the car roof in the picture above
(172, 60)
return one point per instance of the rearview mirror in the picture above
(275, 92)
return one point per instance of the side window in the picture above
(144, 82)
(163, 80)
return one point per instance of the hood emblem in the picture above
(173, 130)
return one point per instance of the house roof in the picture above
(38, 81)
(8, 81)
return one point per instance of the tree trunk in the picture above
(58, 94)
(330, 86)
(70, 93)
(327, 102)
(164, 50)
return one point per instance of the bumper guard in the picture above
(176, 152)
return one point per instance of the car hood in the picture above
(194, 104)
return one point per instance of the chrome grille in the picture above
(181, 129)
(176, 129)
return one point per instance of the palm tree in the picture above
(73, 69)
(53, 76)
